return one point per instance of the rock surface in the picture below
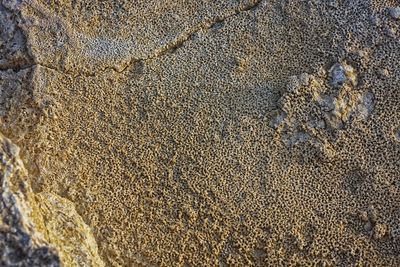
(38, 229)
(19, 243)
(203, 133)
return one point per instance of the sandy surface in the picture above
(214, 133)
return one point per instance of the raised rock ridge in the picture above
(38, 229)
(20, 244)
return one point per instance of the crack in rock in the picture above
(158, 53)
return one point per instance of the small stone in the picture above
(366, 106)
(397, 135)
(304, 79)
(338, 75)
(395, 12)
(276, 122)
(326, 102)
(293, 84)
(375, 20)
(368, 226)
(300, 137)
(391, 32)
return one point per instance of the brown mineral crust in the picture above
(206, 133)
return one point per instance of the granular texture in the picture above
(210, 133)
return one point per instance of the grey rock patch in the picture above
(13, 51)
(342, 73)
(395, 12)
(397, 134)
(366, 106)
(338, 75)
(18, 245)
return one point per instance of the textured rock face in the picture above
(30, 221)
(36, 229)
(13, 50)
(19, 244)
(205, 133)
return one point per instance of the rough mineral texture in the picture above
(19, 243)
(29, 221)
(200, 133)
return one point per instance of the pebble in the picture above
(397, 135)
(395, 12)
(338, 75)
(368, 226)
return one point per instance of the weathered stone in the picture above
(19, 244)
(200, 133)
(395, 12)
